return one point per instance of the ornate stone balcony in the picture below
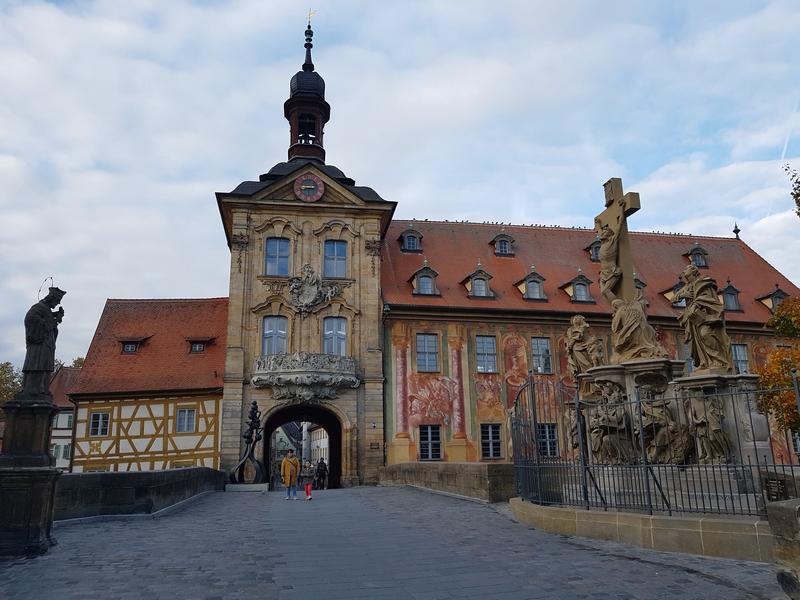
(305, 375)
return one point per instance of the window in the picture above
(594, 251)
(185, 420)
(197, 347)
(730, 300)
(479, 287)
(69, 421)
(306, 125)
(98, 424)
(274, 340)
(739, 352)
(699, 259)
(490, 441)
(547, 439)
(66, 450)
(427, 352)
(335, 259)
(430, 442)
(425, 285)
(580, 292)
(503, 247)
(541, 354)
(276, 257)
(334, 336)
(130, 347)
(534, 289)
(411, 242)
(486, 353)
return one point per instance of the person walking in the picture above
(307, 477)
(290, 470)
(322, 474)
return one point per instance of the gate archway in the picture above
(314, 413)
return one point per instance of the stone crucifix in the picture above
(632, 337)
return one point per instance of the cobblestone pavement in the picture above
(370, 543)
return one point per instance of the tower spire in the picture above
(309, 64)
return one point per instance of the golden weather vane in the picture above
(311, 13)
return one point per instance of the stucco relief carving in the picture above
(305, 375)
(307, 291)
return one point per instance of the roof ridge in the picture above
(551, 227)
(213, 298)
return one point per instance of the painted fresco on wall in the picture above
(430, 399)
(515, 361)
(489, 401)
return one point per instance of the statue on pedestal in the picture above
(609, 428)
(584, 351)
(703, 321)
(705, 423)
(41, 331)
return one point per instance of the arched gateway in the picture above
(335, 424)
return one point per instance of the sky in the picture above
(119, 121)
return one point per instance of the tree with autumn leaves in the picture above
(776, 373)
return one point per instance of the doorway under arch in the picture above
(314, 414)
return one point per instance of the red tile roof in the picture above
(454, 249)
(163, 361)
(64, 379)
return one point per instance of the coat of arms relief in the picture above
(307, 290)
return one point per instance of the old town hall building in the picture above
(405, 340)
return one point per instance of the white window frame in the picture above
(584, 295)
(99, 427)
(484, 292)
(334, 266)
(334, 336)
(421, 289)
(547, 439)
(427, 349)
(740, 358)
(182, 421)
(273, 337)
(276, 260)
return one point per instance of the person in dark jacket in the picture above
(322, 474)
(307, 477)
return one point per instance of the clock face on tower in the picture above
(308, 187)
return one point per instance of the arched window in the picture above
(276, 257)
(425, 284)
(581, 292)
(731, 300)
(503, 247)
(411, 242)
(273, 340)
(479, 287)
(699, 259)
(534, 290)
(307, 125)
(594, 251)
(335, 259)
(334, 336)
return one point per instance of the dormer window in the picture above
(197, 347)
(672, 294)
(130, 347)
(578, 289)
(640, 285)
(503, 244)
(477, 283)
(698, 256)
(410, 240)
(730, 297)
(532, 287)
(424, 281)
(774, 298)
(594, 250)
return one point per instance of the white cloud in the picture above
(119, 120)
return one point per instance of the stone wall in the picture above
(493, 482)
(746, 538)
(92, 494)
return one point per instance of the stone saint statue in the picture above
(703, 322)
(609, 428)
(41, 330)
(631, 335)
(705, 422)
(584, 351)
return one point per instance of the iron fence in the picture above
(646, 452)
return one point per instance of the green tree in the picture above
(776, 374)
(78, 361)
(10, 381)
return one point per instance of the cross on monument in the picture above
(617, 278)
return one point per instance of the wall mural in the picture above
(490, 404)
(430, 399)
(515, 361)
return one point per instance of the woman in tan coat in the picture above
(290, 469)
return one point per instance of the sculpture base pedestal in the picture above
(27, 498)
(652, 375)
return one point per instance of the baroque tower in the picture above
(304, 325)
